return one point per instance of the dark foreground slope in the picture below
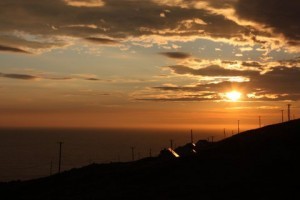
(257, 164)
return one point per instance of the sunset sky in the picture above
(148, 63)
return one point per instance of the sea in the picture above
(30, 153)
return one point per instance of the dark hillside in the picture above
(256, 164)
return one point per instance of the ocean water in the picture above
(28, 153)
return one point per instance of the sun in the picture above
(233, 95)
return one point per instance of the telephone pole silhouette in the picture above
(192, 137)
(224, 133)
(59, 156)
(282, 116)
(238, 126)
(132, 153)
(171, 144)
(289, 112)
(259, 121)
(51, 166)
(212, 139)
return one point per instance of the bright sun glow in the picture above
(233, 95)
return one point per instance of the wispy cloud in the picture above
(176, 55)
(84, 3)
(252, 64)
(12, 49)
(213, 70)
(105, 41)
(46, 77)
(19, 76)
(92, 79)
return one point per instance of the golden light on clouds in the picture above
(133, 56)
(86, 3)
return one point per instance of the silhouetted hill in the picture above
(256, 164)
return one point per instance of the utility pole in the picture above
(282, 116)
(224, 133)
(259, 121)
(289, 112)
(51, 167)
(192, 137)
(132, 153)
(238, 126)
(171, 144)
(59, 156)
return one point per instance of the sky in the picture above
(148, 63)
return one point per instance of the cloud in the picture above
(210, 87)
(46, 77)
(84, 3)
(48, 24)
(278, 84)
(178, 99)
(56, 78)
(12, 49)
(116, 19)
(252, 64)
(258, 81)
(229, 62)
(291, 62)
(28, 43)
(92, 79)
(283, 18)
(156, 94)
(213, 70)
(176, 55)
(18, 76)
(280, 80)
(105, 41)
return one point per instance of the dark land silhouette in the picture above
(256, 164)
